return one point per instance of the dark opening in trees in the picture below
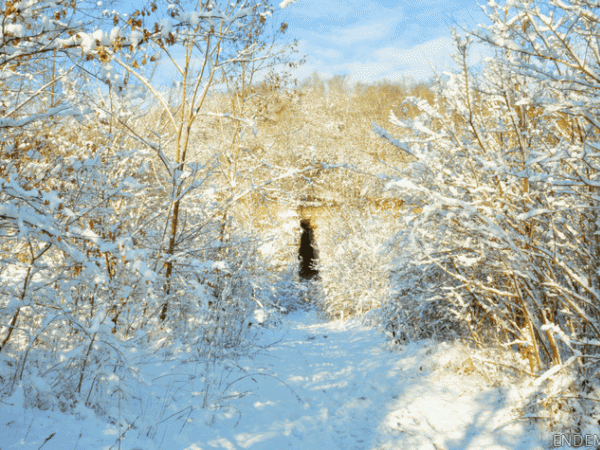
(307, 254)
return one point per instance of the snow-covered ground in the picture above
(313, 385)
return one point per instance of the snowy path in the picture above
(317, 386)
(355, 394)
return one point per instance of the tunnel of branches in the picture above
(307, 253)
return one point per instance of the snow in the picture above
(14, 30)
(534, 212)
(101, 37)
(311, 385)
(285, 3)
(115, 34)
(136, 37)
(88, 43)
(165, 28)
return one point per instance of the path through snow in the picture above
(333, 385)
(351, 392)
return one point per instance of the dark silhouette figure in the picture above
(307, 253)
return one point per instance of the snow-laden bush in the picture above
(354, 276)
(416, 308)
(504, 172)
(119, 240)
(83, 281)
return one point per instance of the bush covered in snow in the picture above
(504, 172)
(121, 233)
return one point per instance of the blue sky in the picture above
(376, 39)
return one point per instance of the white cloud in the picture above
(361, 33)
(373, 71)
(429, 53)
(306, 70)
(327, 53)
(374, 39)
(395, 63)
